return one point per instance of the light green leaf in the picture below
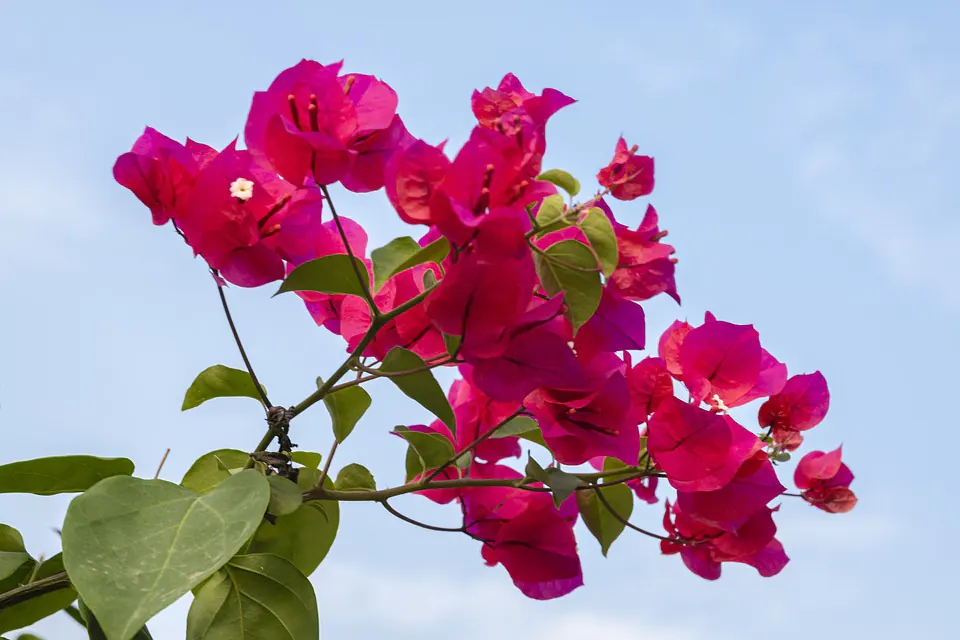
(13, 554)
(599, 231)
(285, 497)
(550, 211)
(219, 381)
(516, 427)
(571, 267)
(430, 450)
(309, 459)
(562, 179)
(61, 474)
(390, 256)
(95, 631)
(304, 537)
(604, 526)
(434, 252)
(255, 597)
(422, 386)
(25, 613)
(329, 274)
(355, 477)
(346, 407)
(132, 547)
(213, 468)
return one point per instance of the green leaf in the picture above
(74, 613)
(132, 547)
(567, 267)
(346, 407)
(604, 526)
(782, 456)
(95, 631)
(550, 211)
(599, 231)
(25, 613)
(434, 252)
(355, 477)
(516, 427)
(562, 484)
(254, 597)
(430, 450)
(213, 468)
(390, 256)
(309, 459)
(452, 343)
(329, 274)
(219, 381)
(304, 537)
(28, 636)
(562, 179)
(421, 387)
(285, 497)
(61, 474)
(534, 471)
(387, 258)
(13, 554)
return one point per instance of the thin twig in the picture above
(422, 525)
(163, 460)
(243, 353)
(326, 463)
(630, 525)
(364, 284)
(473, 445)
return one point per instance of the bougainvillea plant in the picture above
(533, 297)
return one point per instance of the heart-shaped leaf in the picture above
(421, 386)
(355, 477)
(219, 381)
(604, 526)
(562, 179)
(61, 474)
(254, 597)
(571, 267)
(429, 450)
(132, 547)
(550, 214)
(599, 231)
(329, 274)
(346, 407)
(213, 468)
(95, 631)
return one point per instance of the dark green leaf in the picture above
(452, 343)
(550, 211)
(61, 474)
(571, 267)
(255, 597)
(431, 449)
(219, 381)
(355, 477)
(562, 484)
(95, 631)
(387, 258)
(304, 537)
(516, 427)
(599, 231)
(329, 274)
(213, 468)
(782, 456)
(132, 547)
(562, 179)
(604, 526)
(534, 471)
(74, 613)
(308, 459)
(346, 407)
(28, 636)
(25, 613)
(285, 497)
(422, 386)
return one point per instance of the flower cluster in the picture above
(535, 299)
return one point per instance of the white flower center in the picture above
(718, 403)
(241, 189)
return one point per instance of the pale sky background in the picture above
(805, 153)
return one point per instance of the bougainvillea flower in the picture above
(628, 176)
(161, 171)
(525, 532)
(411, 177)
(235, 207)
(669, 346)
(697, 449)
(617, 325)
(720, 361)
(477, 413)
(579, 425)
(650, 383)
(312, 124)
(646, 266)
(704, 547)
(825, 481)
(751, 489)
(770, 380)
(800, 405)
(490, 105)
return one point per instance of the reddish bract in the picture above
(628, 176)
(825, 481)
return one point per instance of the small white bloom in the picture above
(718, 403)
(241, 189)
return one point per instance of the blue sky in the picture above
(805, 153)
